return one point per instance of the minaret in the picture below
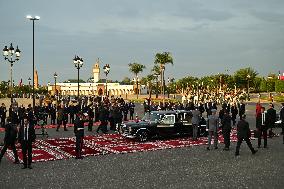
(96, 71)
(36, 79)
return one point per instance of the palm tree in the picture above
(136, 68)
(148, 81)
(162, 59)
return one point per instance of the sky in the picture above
(204, 36)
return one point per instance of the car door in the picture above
(186, 126)
(167, 125)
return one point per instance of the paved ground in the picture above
(192, 167)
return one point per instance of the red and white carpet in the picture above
(64, 148)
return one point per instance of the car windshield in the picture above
(152, 116)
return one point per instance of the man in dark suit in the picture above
(270, 119)
(243, 133)
(282, 119)
(234, 113)
(79, 133)
(103, 117)
(262, 127)
(131, 110)
(91, 116)
(26, 138)
(226, 129)
(242, 109)
(10, 139)
(72, 112)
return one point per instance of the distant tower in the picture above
(36, 79)
(96, 71)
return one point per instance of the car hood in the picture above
(139, 124)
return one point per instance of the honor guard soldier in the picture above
(79, 133)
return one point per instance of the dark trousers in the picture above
(3, 122)
(53, 121)
(90, 125)
(234, 120)
(131, 115)
(79, 146)
(72, 118)
(240, 140)
(226, 136)
(102, 127)
(125, 117)
(61, 122)
(3, 151)
(112, 123)
(262, 133)
(97, 117)
(27, 152)
(116, 121)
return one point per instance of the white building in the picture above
(93, 88)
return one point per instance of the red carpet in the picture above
(55, 126)
(64, 148)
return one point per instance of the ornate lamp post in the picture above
(55, 89)
(55, 79)
(78, 62)
(11, 56)
(106, 71)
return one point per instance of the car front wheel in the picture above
(143, 136)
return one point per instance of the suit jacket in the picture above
(226, 122)
(243, 130)
(213, 123)
(282, 114)
(270, 117)
(10, 133)
(195, 117)
(242, 109)
(31, 134)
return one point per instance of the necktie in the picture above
(263, 118)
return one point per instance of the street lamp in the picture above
(29, 80)
(248, 77)
(163, 81)
(33, 20)
(55, 77)
(29, 86)
(106, 71)
(78, 62)
(11, 56)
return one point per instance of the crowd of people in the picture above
(112, 111)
